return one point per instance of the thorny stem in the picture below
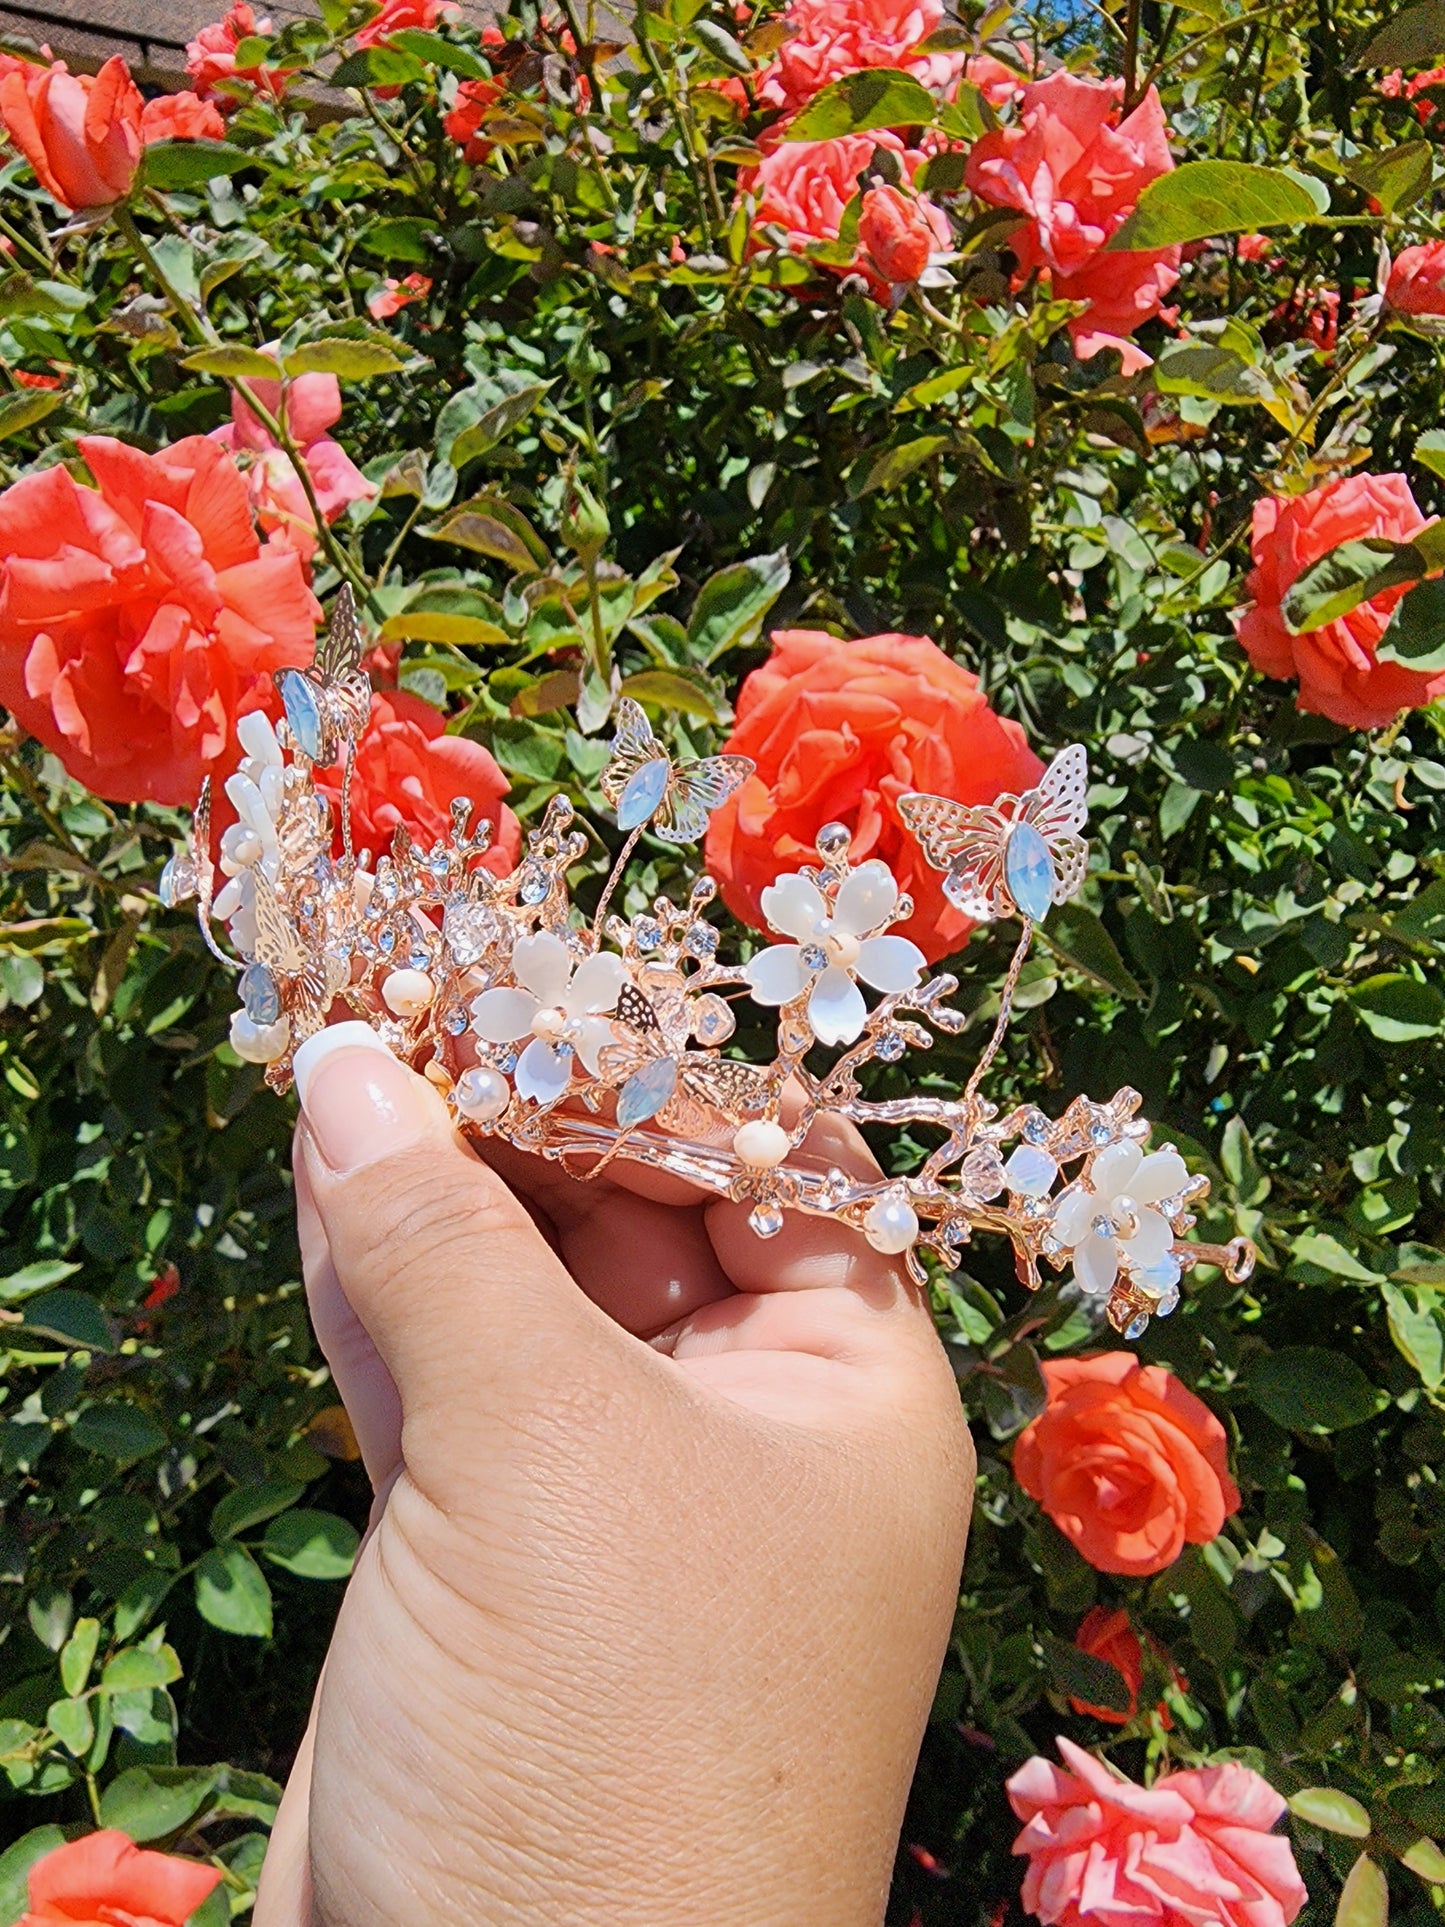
(649, 54)
(23, 240)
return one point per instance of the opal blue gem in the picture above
(645, 1092)
(260, 994)
(1029, 872)
(642, 793)
(303, 712)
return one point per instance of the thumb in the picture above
(456, 1287)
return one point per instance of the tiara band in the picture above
(588, 1040)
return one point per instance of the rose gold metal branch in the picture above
(1005, 1010)
(612, 882)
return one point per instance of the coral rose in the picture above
(397, 14)
(1108, 1635)
(408, 770)
(475, 101)
(211, 56)
(895, 235)
(1076, 171)
(106, 1880)
(839, 731)
(140, 617)
(1127, 1462)
(1416, 282)
(305, 406)
(393, 295)
(804, 187)
(1196, 1849)
(1339, 675)
(80, 132)
(181, 117)
(831, 38)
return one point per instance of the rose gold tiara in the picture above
(585, 1039)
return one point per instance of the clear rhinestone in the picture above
(455, 1022)
(469, 929)
(646, 933)
(387, 942)
(419, 960)
(712, 1021)
(439, 865)
(533, 887)
(981, 1173)
(701, 941)
(1036, 1128)
(1137, 1326)
(766, 1220)
(1168, 1303)
(815, 957)
(1101, 1134)
(388, 888)
(890, 1046)
(178, 880)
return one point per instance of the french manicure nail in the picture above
(360, 1103)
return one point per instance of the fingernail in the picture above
(359, 1101)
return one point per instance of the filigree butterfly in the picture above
(1017, 854)
(332, 699)
(644, 785)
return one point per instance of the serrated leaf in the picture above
(313, 1545)
(404, 238)
(731, 605)
(1430, 450)
(1365, 1897)
(1076, 935)
(490, 525)
(877, 97)
(347, 360)
(1336, 1812)
(233, 362)
(1201, 199)
(721, 45)
(1397, 178)
(438, 51)
(1353, 573)
(139, 1668)
(887, 467)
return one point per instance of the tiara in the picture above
(585, 1039)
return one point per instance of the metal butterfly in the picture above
(653, 1075)
(1016, 855)
(644, 785)
(330, 701)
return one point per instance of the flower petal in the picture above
(865, 899)
(777, 975)
(1151, 1241)
(543, 963)
(836, 1009)
(889, 963)
(1160, 1175)
(593, 1036)
(1112, 1171)
(543, 1072)
(595, 986)
(502, 1016)
(1073, 1214)
(793, 906)
(1096, 1265)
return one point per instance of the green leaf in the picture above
(1399, 1009)
(1416, 1328)
(887, 467)
(1202, 199)
(191, 163)
(438, 51)
(446, 615)
(15, 1865)
(246, 1796)
(78, 1655)
(231, 1592)
(313, 1545)
(721, 45)
(34, 1277)
(674, 689)
(731, 605)
(1416, 635)
(118, 1431)
(489, 525)
(1077, 936)
(1327, 1807)
(1211, 372)
(140, 1601)
(495, 423)
(1085, 1677)
(233, 362)
(877, 97)
(1424, 1858)
(72, 1724)
(19, 412)
(1430, 450)
(250, 1504)
(1328, 1254)
(347, 360)
(74, 1317)
(1305, 1388)
(1340, 581)
(51, 1612)
(1365, 1896)
(1411, 38)
(407, 238)
(377, 67)
(1397, 178)
(138, 1668)
(149, 1802)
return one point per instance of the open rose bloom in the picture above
(105, 1880)
(306, 406)
(803, 189)
(829, 39)
(1197, 1849)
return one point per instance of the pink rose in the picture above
(181, 117)
(211, 56)
(1076, 171)
(831, 38)
(999, 83)
(1338, 673)
(306, 406)
(1416, 284)
(393, 295)
(1194, 1850)
(80, 132)
(804, 187)
(397, 14)
(895, 234)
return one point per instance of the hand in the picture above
(661, 1571)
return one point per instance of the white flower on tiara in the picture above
(830, 951)
(551, 1004)
(1109, 1219)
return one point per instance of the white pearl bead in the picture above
(891, 1225)
(406, 992)
(259, 1043)
(482, 1094)
(844, 948)
(761, 1143)
(549, 1023)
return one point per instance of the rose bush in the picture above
(893, 398)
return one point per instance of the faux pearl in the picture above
(891, 1225)
(843, 948)
(482, 1094)
(259, 1043)
(406, 992)
(549, 1023)
(761, 1143)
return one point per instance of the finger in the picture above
(364, 1385)
(443, 1266)
(284, 1896)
